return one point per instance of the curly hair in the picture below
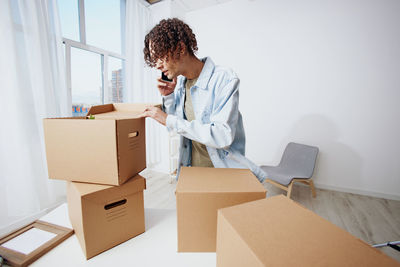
(165, 38)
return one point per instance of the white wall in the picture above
(324, 73)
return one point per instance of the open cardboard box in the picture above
(104, 216)
(200, 192)
(279, 232)
(109, 149)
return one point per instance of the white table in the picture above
(155, 247)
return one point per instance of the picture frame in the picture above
(17, 258)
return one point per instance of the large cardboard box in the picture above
(200, 192)
(106, 150)
(279, 232)
(104, 216)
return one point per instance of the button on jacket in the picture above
(218, 123)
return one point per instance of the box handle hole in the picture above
(134, 134)
(115, 204)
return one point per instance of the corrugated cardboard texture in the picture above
(82, 150)
(231, 249)
(200, 192)
(131, 143)
(106, 150)
(199, 179)
(75, 213)
(105, 216)
(279, 232)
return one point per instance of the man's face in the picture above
(170, 66)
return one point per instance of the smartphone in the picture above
(165, 77)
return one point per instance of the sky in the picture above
(103, 30)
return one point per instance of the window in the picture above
(86, 78)
(69, 18)
(93, 32)
(103, 24)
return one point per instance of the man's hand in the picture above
(155, 113)
(166, 88)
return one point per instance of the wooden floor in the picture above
(374, 220)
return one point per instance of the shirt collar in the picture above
(205, 74)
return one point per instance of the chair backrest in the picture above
(300, 159)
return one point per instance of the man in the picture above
(201, 103)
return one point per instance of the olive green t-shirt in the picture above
(200, 157)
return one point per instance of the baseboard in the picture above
(357, 191)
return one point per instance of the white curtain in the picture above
(141, 80)
(32, 87)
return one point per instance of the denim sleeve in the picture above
(169, 103)
(220, 132)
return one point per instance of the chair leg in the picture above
(289, 190)
(311, 183)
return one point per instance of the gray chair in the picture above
(297, 165)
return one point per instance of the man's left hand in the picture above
(155, 113)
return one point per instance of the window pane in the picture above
(103, 24)
(86, 80)
(116, 80)
(69, 17)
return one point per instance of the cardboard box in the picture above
(200, 192)
(279, 232)
(104, 216)
(109, 149)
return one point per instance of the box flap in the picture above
(120, 110)
(200, 179)
(95, 191)
(100, 109)
(280, 232)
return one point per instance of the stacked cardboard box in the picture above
(104, 216)
(108, 149)
(100, 156)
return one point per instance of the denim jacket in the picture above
(218, 123)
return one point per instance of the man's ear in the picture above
(181, 48)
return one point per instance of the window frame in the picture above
(105, 54)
